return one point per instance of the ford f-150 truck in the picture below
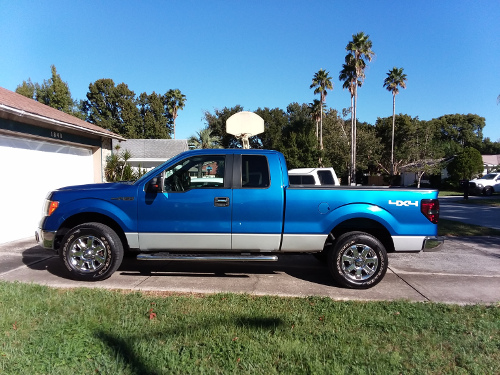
(232, 205)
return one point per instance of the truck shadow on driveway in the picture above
(301, 266)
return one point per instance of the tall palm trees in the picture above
(321, 82)
(394, 80)
(360, 51)
(174, 101)
(316, 108)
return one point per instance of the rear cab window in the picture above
(254, 172)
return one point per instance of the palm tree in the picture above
(321, 82)
(394, 80)
(204, 139)
(348, 76)
(361, 50)
(316, 109)
(174, 100)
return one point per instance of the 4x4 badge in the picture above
(404, 203)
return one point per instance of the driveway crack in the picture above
(411, 286)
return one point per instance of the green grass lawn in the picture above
(93, 331)
(448, 193)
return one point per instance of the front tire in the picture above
(357, 260)
(488, 191)
(91, 252)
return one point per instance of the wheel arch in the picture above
(88, 217)
(366, 225)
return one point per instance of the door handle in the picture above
(221, 201)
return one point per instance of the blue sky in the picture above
(262, 53)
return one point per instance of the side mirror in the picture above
(155, 185)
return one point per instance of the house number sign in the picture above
(57, 135)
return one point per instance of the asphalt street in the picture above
(453, 208)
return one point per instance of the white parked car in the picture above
(313, 176)
(487, 185)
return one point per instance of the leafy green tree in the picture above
(174, 101)
(425, 151)
(154, 117)
(275, 121)
(113, 108)
(27, 89)
(53, 93)
(361, 50)
(369, 149)
(406, 141)
(203, 139)
(490, 148)
(216, 122)
(299, 140)
(459, 131)
(337, 143)
(467, 164)
(394, 80)
(321, 82)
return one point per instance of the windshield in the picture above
(153, 172)
(490, 176)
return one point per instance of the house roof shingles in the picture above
(20, 103)
(491, 159)
(153, 148)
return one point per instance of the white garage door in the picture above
(29, 170)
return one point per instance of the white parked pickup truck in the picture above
(313, 176)
(486, 185)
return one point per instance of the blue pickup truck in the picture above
(235, 205)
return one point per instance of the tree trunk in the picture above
(393, 123)
(353, 145)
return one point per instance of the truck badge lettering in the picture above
(404, 203)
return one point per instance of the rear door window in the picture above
(254, 171)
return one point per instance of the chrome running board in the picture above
(209, 257)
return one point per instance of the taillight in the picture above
(430, 209)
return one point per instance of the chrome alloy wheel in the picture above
(87, 254)
(359, 262)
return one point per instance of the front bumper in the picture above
(433, 244)
(45, 238)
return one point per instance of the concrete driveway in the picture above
(466, 271)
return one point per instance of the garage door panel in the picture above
(31, 170)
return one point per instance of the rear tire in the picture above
(357, 260)
(91, 252)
